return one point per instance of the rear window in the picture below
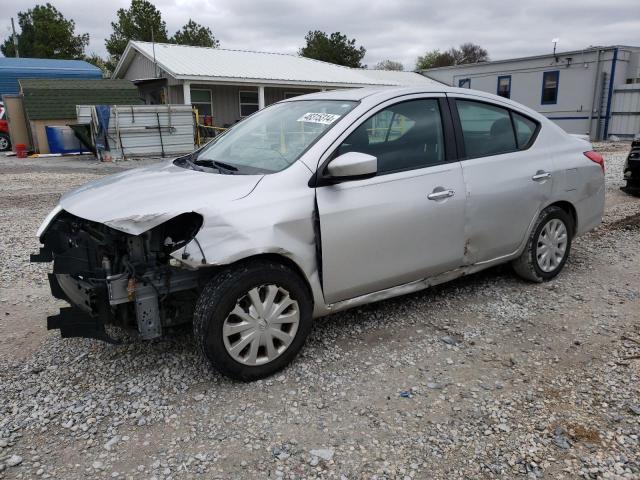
(489, 129)
(525, 130)
(486, 129)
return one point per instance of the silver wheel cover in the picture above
(261, 326)
(552, 245)
(4, 144)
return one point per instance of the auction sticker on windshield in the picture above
(324, 118)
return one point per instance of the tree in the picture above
(141, 21)
(46, 33)
(195, 34)
(434, 59)
(101, 63)
(472, 53)
(389, 65)
(466, 53)
(336, 48)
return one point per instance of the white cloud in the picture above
(399, 30)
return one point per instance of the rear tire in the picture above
(252, 320)
(5, 142)
(548, 246)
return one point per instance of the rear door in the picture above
(404, 224)
(508, 176)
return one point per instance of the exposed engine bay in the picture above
(114, 278)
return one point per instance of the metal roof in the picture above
(397, 78)
(13, 69)
(531, 57)
(217, 64)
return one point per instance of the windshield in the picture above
(274, 138)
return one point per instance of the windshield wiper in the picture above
(216, 164)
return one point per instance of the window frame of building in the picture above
(462, 150)
(446, 138)
(196, 103)
(462, 81)
(550, 74)
(508, 92)
(241, 103)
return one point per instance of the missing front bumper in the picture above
(111, 278)
(89, 311)
(93, 306)
(73, 322)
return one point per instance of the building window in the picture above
(292, 94)
(248, 102)
(464, 83)
(504, 86)
(550, 81)
(201, 100)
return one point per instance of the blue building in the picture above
(13, 69)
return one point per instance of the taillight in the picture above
(595, 157)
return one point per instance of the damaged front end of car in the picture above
(110, 277)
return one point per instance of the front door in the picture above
(507, 179)
(404, 224)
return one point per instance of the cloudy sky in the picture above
(389, 29)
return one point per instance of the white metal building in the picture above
(227, 85)
(594, 91)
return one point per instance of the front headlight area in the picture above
(47, 220)
(114, 278)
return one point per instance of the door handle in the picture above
(541, 175)
(440, 194)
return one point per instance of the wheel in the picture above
(251, 321)
(548, 246)
(5, 143)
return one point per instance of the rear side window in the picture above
(486, 129)
(404, 136)
(525, 130)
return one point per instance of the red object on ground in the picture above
(21, 150)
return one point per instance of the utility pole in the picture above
(15, 38)
(153, 46)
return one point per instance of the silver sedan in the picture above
(315, 205)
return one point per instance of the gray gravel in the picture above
(485, 377)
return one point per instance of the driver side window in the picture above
(404, 136)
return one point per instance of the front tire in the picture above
(252, 320)
(548, 246)
(5, 142)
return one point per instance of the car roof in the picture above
(381, 94)
(384, 93)
(356, 94)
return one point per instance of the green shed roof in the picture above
(49, 99)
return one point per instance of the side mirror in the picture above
(352, 166)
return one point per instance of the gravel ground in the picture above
(484, 377)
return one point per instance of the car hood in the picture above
(140, 199)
